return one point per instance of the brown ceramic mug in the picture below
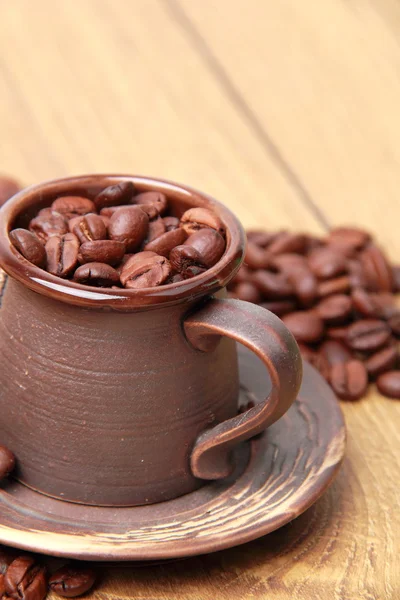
(126, 397)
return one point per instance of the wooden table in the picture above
(289, 113)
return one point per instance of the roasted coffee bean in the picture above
(97, 274)
(261, 238)
(280, 307)
(356, 273)
(8, 188)
(7, 555)
(157, 200)
(209, 244)
(146, 272)
(337, 333)
(244, 274)
(287, 242)
(29, 246)
(134, 259)
(348, 238)
(48, 223)
(313, 242)
(339, 285)
(377, 269)
(386, 304)
(115, 195)
(367, 335)
(365, 304)
(248, 292)
(106, 220)
(335, 352)
(394, 324)
(396, 278)
(327, 262)
(306, 326)
(110, 252)
(349, 380)
(25, 579)
(184, 257)
(129, 225)
(88, 228)
(198, 218)
(72, 580)
(272, 285)
(72, 206)
(316, 360)
(156, 228)
(62, 254)
(7, 461)
(287, 262)
(335, 309)
(171, 223)
(166, 242)
(381, 361)
(304, 285)
(256, 257)
(389, 384)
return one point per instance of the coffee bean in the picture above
(7, 555)
(327, 263)
(272, 285)
(315, 359)
(97, 274)
(115, 195)
(29, 246)
(313, 242)
(389, 384)
(256, 257)
(287, 242)
(195, 219)
(106, 220)
(261, 238)
(386, 304)
(244, 274)
(192, 271)
(72, 580)
(248, 292)
(156, 200)
(396, 278)
(334, 309)
(304, 284)
(7, 461)
(25, 579)
(166, 242)
(367, 335)
(88, 228)
(335, 352)
(356, 274)
(348, 238)
(156, 228)
(182, 257)
(287, 262)
(62, 254)
(145, 272)
(349, 380)
(110, 252)
(381, 361)
(72, 206)
(209, 244)
(377, 269)
(171, 223)
(305, 326)
(394, 324)
(8, 188)
(48, 223)
(129, 225)
(339, 285)
(364, 303)
(280, 307)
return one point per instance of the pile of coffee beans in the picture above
(22, 577)
(121, 238)
(337, 296)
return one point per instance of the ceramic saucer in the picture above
(278, 476)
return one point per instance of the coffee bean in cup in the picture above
(92, 240)
(337, 296)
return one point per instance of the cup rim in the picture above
(42, 282)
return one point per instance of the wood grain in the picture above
(286, 111)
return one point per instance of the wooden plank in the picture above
(86, 87)
(322, 81)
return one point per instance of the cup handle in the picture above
(264, 334)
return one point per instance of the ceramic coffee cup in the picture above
(126, 397)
